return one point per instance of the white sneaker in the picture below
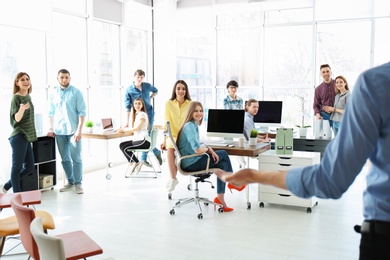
(2, 190)
(172, 184)
(79, 189)
(67, 187)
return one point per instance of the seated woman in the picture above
(140, 138)
(188, 143)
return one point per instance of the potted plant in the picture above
(253, 137)
(89, 126)
(302, 128)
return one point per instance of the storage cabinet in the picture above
(45, 174)
(269, 160)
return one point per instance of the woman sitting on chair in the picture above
(141, 138)
(188, 143)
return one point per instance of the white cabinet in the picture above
(269, 160)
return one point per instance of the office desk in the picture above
(249, 151)
(106, 137)
(28, 198)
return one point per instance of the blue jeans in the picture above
(223, 163)
(22, 161)
(336, 126)
(326, 116)
(72, 162)
(156, 152)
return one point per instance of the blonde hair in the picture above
(189, 117)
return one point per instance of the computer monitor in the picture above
(225, 123)
(269, 115)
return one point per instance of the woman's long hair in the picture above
(187, 96)
(189, 117)
(134, 111)
(17, 77)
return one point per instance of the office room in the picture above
(272, 48)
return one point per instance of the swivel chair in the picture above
(153, 143)
(200, 176)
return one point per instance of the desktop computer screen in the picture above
(269, 115)
(227, 124)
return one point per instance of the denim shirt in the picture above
(188, 143)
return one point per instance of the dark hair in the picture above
(190, 113)
(325, 66)
(187, 96)
(17, 77)
(249, 102)
(232, 83)
(346, 83)
(64, 71)
(143, 109)
(139, 72)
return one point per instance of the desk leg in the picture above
(108, 163)
(248, 204)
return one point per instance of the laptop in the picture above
(107, 125)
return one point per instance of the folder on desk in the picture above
(288, 140)
(279, 141)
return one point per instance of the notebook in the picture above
(107, 125)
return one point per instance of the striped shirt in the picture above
(26, 125)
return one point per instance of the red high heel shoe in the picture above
(232, 187)
(225, 209)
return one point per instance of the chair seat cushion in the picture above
(9, 226)
(78, 245)
(47, 219)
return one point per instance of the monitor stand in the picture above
(227, 140)
(263, 129)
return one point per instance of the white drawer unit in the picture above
(269, 160)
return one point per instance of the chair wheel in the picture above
(200, 216)
(110, 165)
(169, 196)
(308, 210)
(220, 210)
(108, 176)
(172, 212)
(261, 205)
(189, 187)
(248, 205)
(206, 204)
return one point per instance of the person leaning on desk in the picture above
(251, 109)
(364, 134)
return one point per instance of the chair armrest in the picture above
(194, 155)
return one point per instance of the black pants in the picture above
(128, 147)
(375, 240)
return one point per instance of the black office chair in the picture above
(200, 176)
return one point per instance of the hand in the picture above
(318, 115)
(163, 146)
(51, 133)
(120, 130)
(25, 106)
(77, 136)
(214, 155)
(242, 177)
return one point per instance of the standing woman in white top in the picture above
(141, 138)
(340, 101)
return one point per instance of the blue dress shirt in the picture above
(66, 106)
(133, 92)
(188, 143)
(364, 134)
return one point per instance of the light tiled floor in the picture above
(129, 219)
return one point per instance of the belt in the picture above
(375, 227)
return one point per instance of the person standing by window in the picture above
(67, 111)
(342, 95)
(176, 110)
(232, 101)
(23, 134)
(324, 95)
(146, 91)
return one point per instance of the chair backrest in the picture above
(153, 138)
(25, 216)
(49, 247)
(168, 132)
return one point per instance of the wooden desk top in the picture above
(28, 198)
(106, 136)
(251, 151)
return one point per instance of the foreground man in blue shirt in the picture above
(365, 134)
